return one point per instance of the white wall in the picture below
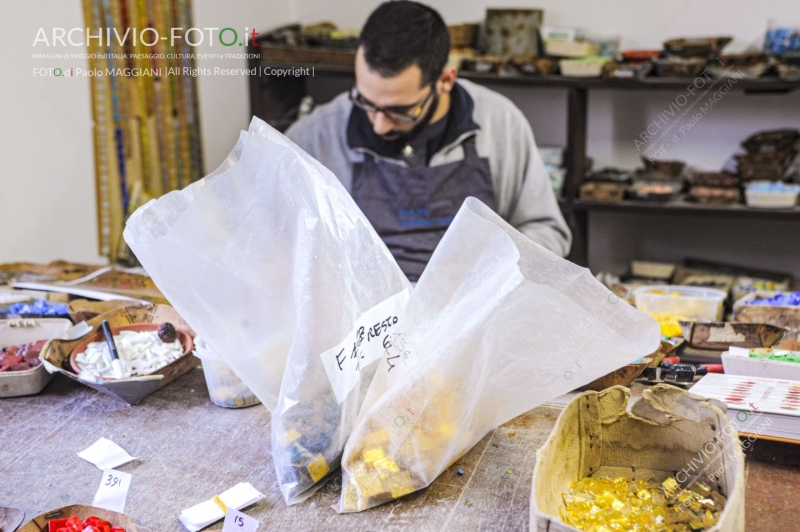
(639, 24)
(47, 187)
(225, 100)
(47, 179)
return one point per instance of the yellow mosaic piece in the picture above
(289, 436)
(318, 468)
(350, 498)
(402, 484)
(620, 504)
(373, 454)
(371, 485)
(386, 464)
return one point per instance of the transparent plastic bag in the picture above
(271, 262)
(496, 326)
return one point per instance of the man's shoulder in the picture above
(485, 98)
(325, 123)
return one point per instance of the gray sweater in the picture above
(522, 186)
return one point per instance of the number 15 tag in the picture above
(236, 521)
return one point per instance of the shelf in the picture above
(680, 206)
(271, 97)
(768, 84)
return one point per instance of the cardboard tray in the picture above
(722, 335)
(57, 270)
(132, 390)
(780, 316)
(23, 331)
(619, 377)
(84, 310)
(39, 523)
(598, 435)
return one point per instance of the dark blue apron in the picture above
(412, 207)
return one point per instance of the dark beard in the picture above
(405, 137)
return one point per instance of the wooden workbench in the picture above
(188, 450)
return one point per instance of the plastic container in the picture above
(739, 362)
(582, 68)
(24, 331)
(768, 195)
(688, 301)
(224, 388)
(562, 48)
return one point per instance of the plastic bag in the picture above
(272, 263)
(497, 325)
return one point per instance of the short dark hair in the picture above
(402, 33)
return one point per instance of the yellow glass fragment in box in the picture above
(700, 489)
(670, 484)
(318, 468)
(595, 504)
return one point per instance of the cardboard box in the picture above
(665, 430)
(132, 390)
(781, 316)
(722, 335)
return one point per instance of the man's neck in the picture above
(442, 108)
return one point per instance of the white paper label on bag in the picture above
(106, 454)
(236, 521)
(364, 345)
(399, 355)
(113, 490)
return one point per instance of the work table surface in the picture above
(188, 449)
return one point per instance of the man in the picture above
(411, 144)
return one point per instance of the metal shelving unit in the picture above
(271, 97)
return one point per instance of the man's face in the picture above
(403, 92)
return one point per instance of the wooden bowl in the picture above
(620, 377)
(183, 336)
(39, 523)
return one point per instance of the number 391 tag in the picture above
(113, 490)
(236, 521)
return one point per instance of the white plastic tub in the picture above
(766, 195)
(737, 361)
(224, 387)
(564, 48)
(582, 68)
(24, 331)
(692, 301)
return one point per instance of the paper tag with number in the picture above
(236, 521)
(113, 490)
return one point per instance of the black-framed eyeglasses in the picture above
(406, 114)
